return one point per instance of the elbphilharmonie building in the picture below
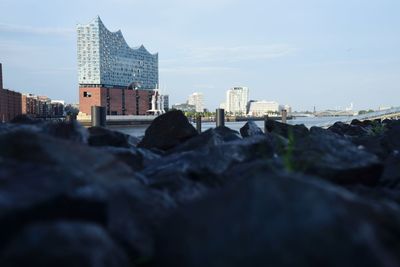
(112, 74)
(105, 58)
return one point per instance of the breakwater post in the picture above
(98, 116)
(284, 116)
(220, 117)
(198, 123)
(265, 124)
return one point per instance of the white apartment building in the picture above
(197, 100)
(236, 100)
(261, 108)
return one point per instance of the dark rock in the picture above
(188, 175)
(136, 158)
(168, 131)
(276, 220)
(391, 123)
(210, 138)
(74, 159)
(126, 208)
(371, 144)
(347, 129)
(100, 136)
(63, 244)
(379, 196)
(25, 119)
(330, 156)
(364, 123)
(286, 130)
(391, 173)
(72, 131)
(250, 129)
(43, 179)
(391, 140)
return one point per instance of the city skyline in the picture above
(305, 54)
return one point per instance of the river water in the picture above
(308, 122)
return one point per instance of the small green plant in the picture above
(288, 153)
(377, 128)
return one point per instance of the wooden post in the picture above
(284, 116)
(198, 123)
(98, 116)
(220, 117)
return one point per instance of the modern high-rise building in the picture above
(197, 100)
(236, 100)
(112, 74)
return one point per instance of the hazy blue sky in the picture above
(326, 53)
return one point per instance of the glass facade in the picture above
(104, 58)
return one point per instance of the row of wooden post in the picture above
(99, 117)
(220, 118)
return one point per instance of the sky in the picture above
(323, 53)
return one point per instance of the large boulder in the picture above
(71, 130)
(71, 158)
(391, 173)
(286, 130)
(349, 129)
(25, 119)
(100, 136)
(40, 174)
(280, 220)
(390, 139)
(333, 157)
(188, 175)
(136, 158)
(68, 130)
(208, 139)
(63, 244)
(250, 129)
(168, 131)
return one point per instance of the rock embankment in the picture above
(71, 196)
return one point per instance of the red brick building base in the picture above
(10, 105)
(116, 100)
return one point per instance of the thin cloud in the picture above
(196, 70)
(12, 28)
(239, 53)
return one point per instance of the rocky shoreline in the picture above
(71, 196)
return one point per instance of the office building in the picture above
(236, 100)
(197, 100)
(112, 74)
(184, 107)
(262, 108)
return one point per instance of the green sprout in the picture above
(288, 153)
(377, 128)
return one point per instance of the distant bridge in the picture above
(393, 113)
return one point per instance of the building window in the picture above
(87, 94)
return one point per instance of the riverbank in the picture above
(291, 196)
